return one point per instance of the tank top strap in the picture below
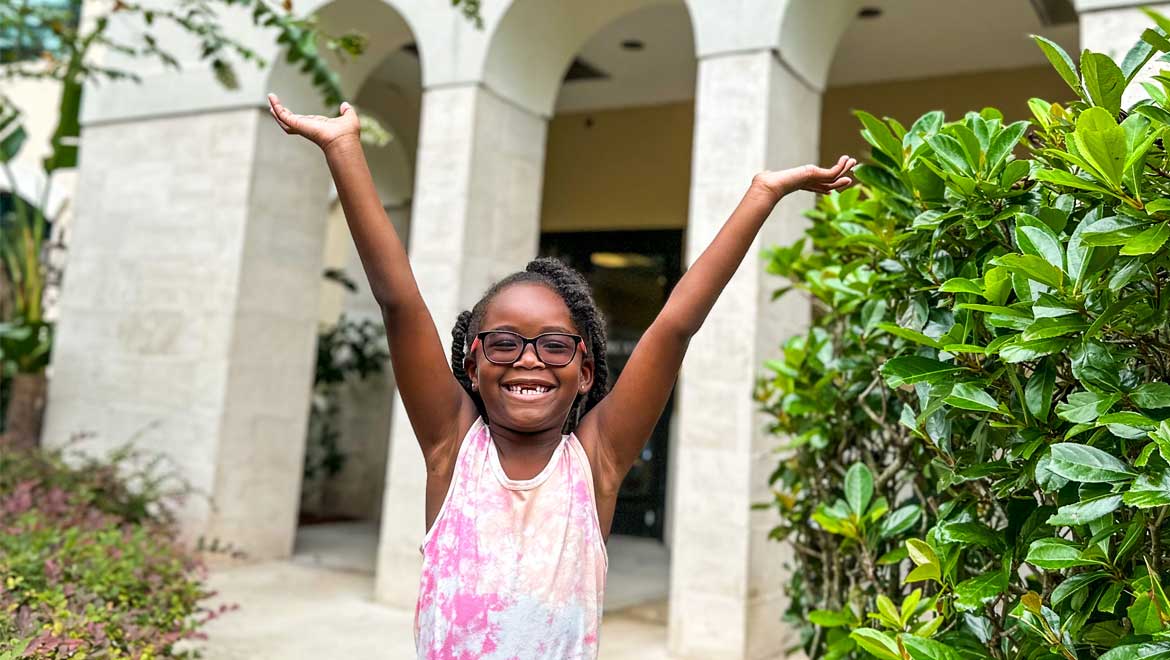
(582, 469)
(472, 455)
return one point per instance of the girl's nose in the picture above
(528, 358)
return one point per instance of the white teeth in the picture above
(528, 389)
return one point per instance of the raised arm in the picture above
(624, 420)
(438, 408)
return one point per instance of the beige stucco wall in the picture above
(906, 100)
(628, 168)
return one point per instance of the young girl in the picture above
(524, 449)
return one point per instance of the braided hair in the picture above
(571, 286)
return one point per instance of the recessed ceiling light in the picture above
(633, 44)
(869, 12)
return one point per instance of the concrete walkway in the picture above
(319, 605)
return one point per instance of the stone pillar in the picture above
(476, 219)
(188, 315)
(1112, 27)
(752, 112)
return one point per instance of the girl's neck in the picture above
(523, 446)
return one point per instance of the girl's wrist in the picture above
(760, 189)
(341, 144)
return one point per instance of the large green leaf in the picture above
(1149, 241)
(1032, 267)
(1145, 651)
(1144, 614)
(1111, 231)
(858, 488)
(1085, 511)
(1061, 62)
(899, 521)
(1151, 396)
(1075, 584)
(970, 533)
(879, 136)
(1104, 81)
(1047, 328)
(1094, 365)
(968, 396)
(1077, 462)
(1102, 142)
(911, 369)
(973, 593)
(881, 645)
(1136, 58)
(912, 335)
(1062, 178)
(1055, 554)
(1003, 143)
(924, 648)
(1149, 491)
(1037, 239)
(1038, 393)
(1086, 407)
(951, 152)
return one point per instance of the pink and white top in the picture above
(513, 570)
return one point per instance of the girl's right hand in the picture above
(322, 131)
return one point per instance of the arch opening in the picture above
(614, 205)
(343, 466)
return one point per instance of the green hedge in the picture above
(89, 562)
(979, 418)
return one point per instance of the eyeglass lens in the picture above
(552, 349)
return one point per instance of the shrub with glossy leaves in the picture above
(979, 418)
(90, 566)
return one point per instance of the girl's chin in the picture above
(525, 421)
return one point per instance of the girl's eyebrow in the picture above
(544, 329)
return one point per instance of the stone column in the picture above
(1112, 27)
(188, 315)
(752, 112)
(476, 219)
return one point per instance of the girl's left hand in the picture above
(808, 177)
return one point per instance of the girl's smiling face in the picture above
(529, 309)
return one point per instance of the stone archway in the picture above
(188, 317)
(341, 507)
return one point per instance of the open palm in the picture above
(821, 180)
(319, 129)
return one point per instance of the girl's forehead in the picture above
(528, 306)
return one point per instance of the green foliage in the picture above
(347, 351)
(89, 562)
(978, 462)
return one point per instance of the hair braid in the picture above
(571, 286)
(458, 354)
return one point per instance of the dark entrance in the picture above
(631, 273)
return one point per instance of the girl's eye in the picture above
(555, 346)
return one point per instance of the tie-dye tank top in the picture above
(513, 570)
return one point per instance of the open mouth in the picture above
(527, 391)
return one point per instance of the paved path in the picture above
(314, 608)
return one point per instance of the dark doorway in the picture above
(631, 273)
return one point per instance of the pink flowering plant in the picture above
(90, 565)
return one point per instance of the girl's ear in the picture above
(585, 378)
(472, 371)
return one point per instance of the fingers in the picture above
(283, 116)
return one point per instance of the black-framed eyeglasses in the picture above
(554, 349)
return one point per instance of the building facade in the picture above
(193, 294)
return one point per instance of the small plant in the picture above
(347, 351)
(89, 561)
(979, 418)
